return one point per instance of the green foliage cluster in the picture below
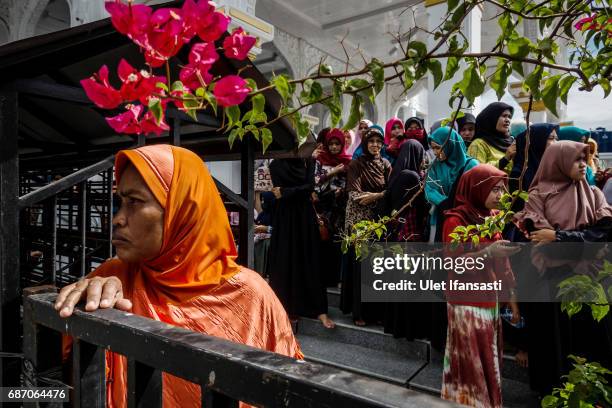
(586, 386)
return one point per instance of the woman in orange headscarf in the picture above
(176, 263)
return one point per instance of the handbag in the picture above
(323, 223)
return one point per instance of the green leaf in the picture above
(335, 110)
(605, 85)
(599, 311)
(409, 73)
(232, 137)
(190, 105)
(472, 85)
(255, 133)
(452, 66)
(588, 66)
(161, 85)
(436, 70)
(355, 114)
(378, 74)
(475, 240)
(499, 80)
(524, 195)
(506, 24)
(419, 48)
(458, 14)
(550, 93)
(534, 80)
(325, 69)
(312, 91)
(283, 87)
(177, 86)
(564, 87)
(266, 138)
(357, 83)
(233, 115)
(518, 67)
(451, 5)
(259, 103)
(301, 126)
(519, 47)
(251, 83)
(156, 109)
(549, 401)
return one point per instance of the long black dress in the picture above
(294, 264)
(551, 334)
(403, 319)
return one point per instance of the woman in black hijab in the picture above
(293, 267)
(402, 319)
(415, 129)
(466, 126)
(492, 143)
(404, 181)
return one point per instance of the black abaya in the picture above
(552, 335)
(294, 257)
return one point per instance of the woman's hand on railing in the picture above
(100, 293)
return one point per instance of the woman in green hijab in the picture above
(444, 174)
(576, 134)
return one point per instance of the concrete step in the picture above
(333, 297)
(370, 351)
(386, 366)
(510, 369)
(371, 337)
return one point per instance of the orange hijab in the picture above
(198, 250)
(194, 282)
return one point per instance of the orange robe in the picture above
(194, 282)
(243, 309)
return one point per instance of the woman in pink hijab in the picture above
(394, 136)
(363, 125)
(563, 208)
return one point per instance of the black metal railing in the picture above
(227, 372)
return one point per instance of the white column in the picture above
(437, 101)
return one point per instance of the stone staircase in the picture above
(414, 364)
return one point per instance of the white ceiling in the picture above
(323, 23)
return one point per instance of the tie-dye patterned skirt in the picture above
(472, 361)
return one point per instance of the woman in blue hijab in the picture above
(443, 175)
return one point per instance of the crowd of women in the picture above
(433, 183)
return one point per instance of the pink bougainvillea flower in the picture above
(202, 19)
(137, 85)
(130, 19)
(100, 92)
(583, 21)
(149, 125)
(211, 28)
(238, 44)
(165, 33)
(203, 54)
(153, 59)
(127, 122)
(189, 76)
(201, 58)
(190, 12)
(231, 90)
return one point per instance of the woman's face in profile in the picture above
(138, 226)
